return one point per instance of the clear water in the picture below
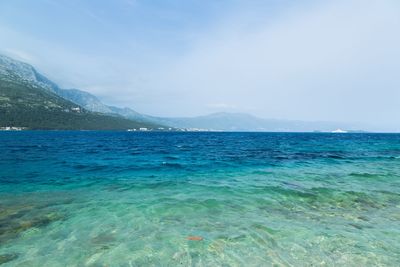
(255, 199)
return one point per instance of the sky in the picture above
(306, 60)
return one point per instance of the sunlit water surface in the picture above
(255, 199)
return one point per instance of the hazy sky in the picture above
(309, 60)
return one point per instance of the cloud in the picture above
(19, 55)
(222, 106)
(130, 3)
(331, 61)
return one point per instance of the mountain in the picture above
(224, 121)
(29, 99)
(92, 103)
(84, 99)
(14, 70)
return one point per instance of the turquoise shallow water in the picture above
(255, 199)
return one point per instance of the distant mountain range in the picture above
(223, 121)
(29, 99)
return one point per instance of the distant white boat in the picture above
(339, 131)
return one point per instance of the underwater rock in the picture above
(103, 239)
(4, 258)
(12, 225)
(357, 226)
(30, 232)
(364, 218)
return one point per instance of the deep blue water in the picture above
(255, 199)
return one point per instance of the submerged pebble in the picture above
(195, 238)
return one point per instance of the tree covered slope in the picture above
(26, 103)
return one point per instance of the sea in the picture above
(98, 198)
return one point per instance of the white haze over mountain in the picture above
(307, 60)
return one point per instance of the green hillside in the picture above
(23, 104)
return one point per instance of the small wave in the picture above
(292, 185)
(261, 172)
(161, 184)
(80, 166)
(281, 157)
(364, 174)
(335, 157)
(171, 158)
(172, 165)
